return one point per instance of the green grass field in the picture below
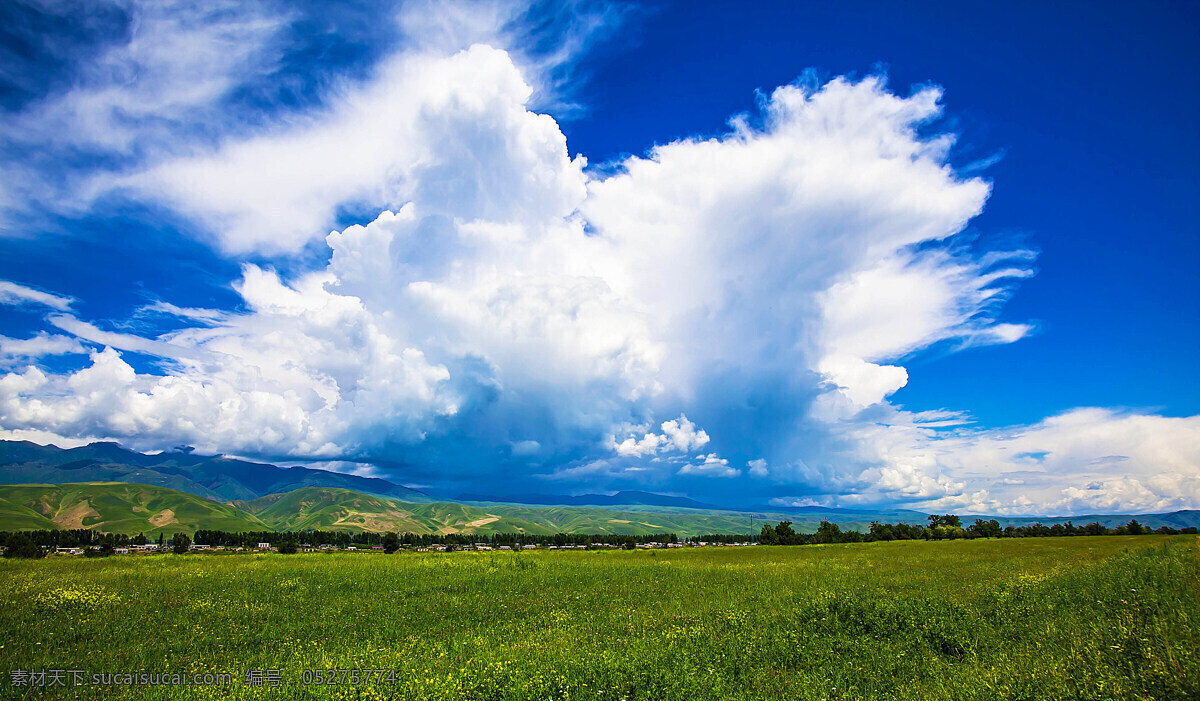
(1048, 618)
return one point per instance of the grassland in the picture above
(116, 507)
(1049, 618)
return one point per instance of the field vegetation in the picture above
(1048, 618)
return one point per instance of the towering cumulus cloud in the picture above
(724, 316)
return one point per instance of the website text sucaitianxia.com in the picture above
(251, 677)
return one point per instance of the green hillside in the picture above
(133, 508)
(15, 516)
(329, 509)
(341, 509)
(116, 507)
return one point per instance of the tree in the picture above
(945, 520)
(21, 545)
(828, 533)
(140, 539)
(882, 531)
(391, 543)
(1132, 528)
(181, 543)
(288, 547)
(768, 536)
(985, 529)
(786, 535)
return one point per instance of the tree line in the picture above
(37, 543)
(949, 527)
(940, 527)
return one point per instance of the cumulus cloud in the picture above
(512, 315)
(678, 435)
(450, 132)
(711, 465)
(1087, 460)
(510, 286)
(156, 98)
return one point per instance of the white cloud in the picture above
(711, 466)
(141, 96)
(14, 350)
(508, 306)
(1082, 461)
(14, 294)
(799, 502)
(679, 435)
(526, 448)
(122, 341)
(452, 133)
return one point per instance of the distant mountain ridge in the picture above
(625, 498)
(211, 477)
(139, 508)
(302, 498)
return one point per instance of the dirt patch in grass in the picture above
(74, 516)
(163, 518)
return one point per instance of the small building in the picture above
(264, 546)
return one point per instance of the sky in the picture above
(857, 254)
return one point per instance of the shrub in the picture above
(20, 545)
(181, 543)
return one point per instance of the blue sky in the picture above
(853, 254)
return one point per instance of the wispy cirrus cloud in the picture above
(15, 294)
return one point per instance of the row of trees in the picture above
(948, 527)
(80, 538)
(36, 543)
(344, 539)
(941, 527)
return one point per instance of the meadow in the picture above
(1048, 618)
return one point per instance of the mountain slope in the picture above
(340, 509)
(329, 509)
(217, 478)
(625, 498)
(115, 507)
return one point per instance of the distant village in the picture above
(434, 547)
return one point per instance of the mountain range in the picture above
(140, 508)
(106, 487)
(217, 478)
